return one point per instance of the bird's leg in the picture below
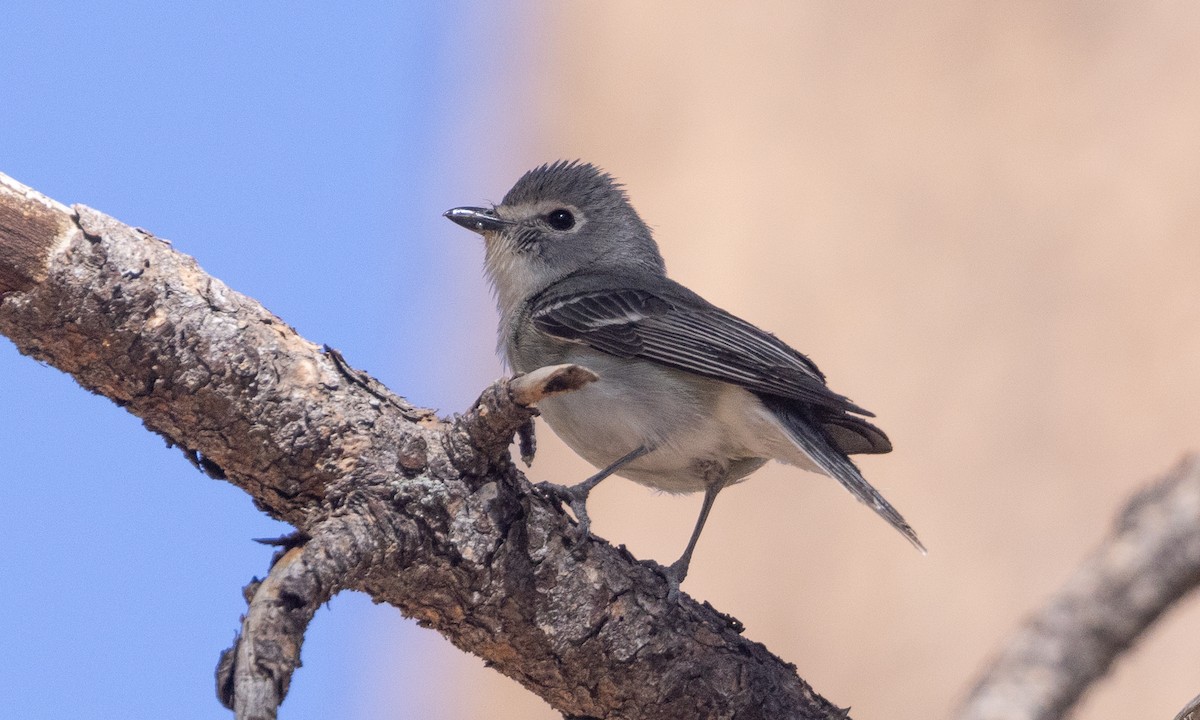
(678, 570)
(576, 495)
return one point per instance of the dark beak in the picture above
(475, 219)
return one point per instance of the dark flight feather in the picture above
(810, 439)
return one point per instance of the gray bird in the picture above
(690, 397)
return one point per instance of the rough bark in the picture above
(1151, 559)
(424, 513)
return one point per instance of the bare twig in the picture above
(1191, 711)
(1149, 561)
(254, 674)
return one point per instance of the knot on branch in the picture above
(476, 440)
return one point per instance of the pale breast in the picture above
(695, 425)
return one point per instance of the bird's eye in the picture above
(561, 219)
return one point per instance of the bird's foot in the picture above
(575, 496)
(674, 575)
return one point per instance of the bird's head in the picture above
(559, 219)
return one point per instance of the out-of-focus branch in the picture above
(1191, 711)
(1151, 559)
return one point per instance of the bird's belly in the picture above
(701, 431)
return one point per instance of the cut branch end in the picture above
(533, 387)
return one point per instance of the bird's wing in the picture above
(663, 322)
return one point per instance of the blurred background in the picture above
(981, 220)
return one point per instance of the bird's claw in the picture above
(576, 500)
(674, 575)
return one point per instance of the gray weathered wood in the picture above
(1149, 561)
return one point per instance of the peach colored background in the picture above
(983, 222)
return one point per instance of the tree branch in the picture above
(426, 514)
(1191, 711)
(1151, 559)
(253, 676)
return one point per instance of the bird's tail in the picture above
(808, 435)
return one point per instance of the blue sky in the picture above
(303, 156)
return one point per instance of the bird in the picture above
(690, 398)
